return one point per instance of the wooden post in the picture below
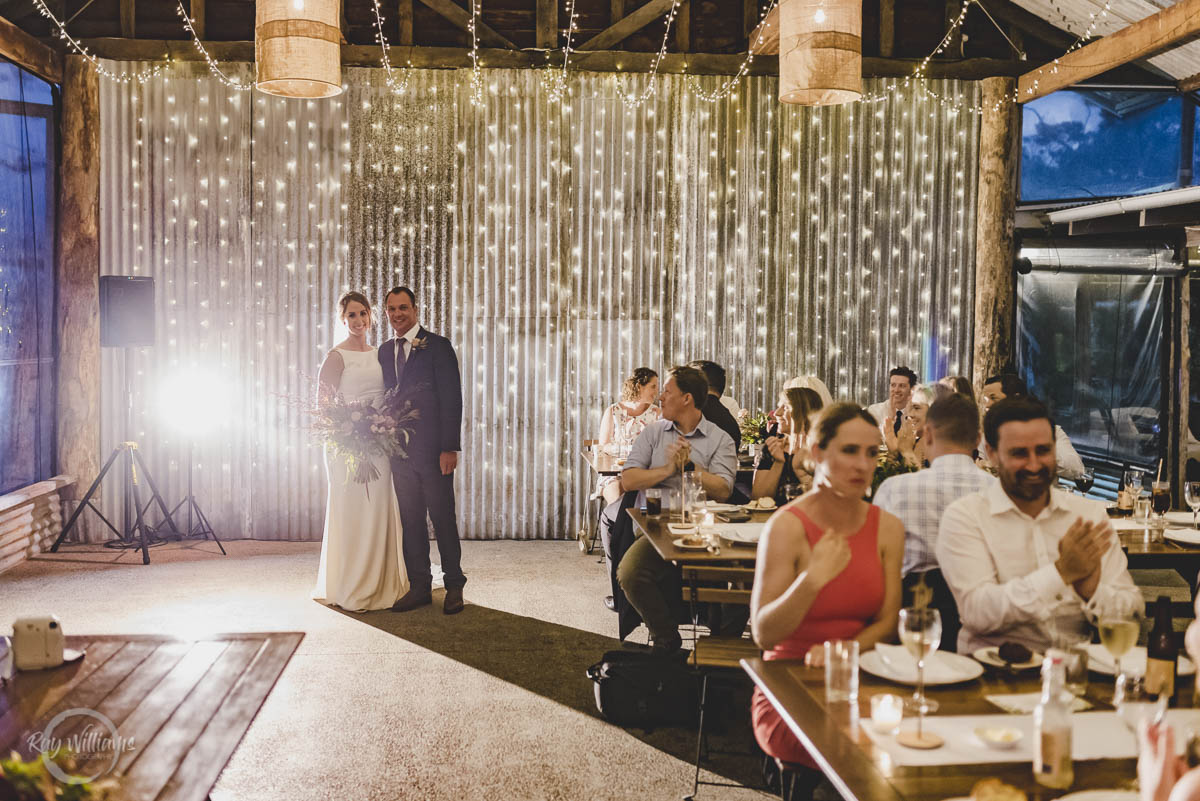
(887, 28)
(995, 278)
(547, 24)
(77, 274)
(200, 19)
(683, 27)
(128, 19)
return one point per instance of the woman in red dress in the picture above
(828, 566)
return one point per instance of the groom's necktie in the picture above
(400, 359)
(899, 420)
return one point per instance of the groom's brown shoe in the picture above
(454, 601)
(411, 600)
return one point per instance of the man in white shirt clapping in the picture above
(1027, 562)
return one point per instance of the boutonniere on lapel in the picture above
(420, 343)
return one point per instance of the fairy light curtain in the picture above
(558, 243)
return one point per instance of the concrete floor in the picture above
(491, 702)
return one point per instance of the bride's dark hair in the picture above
(351, 297)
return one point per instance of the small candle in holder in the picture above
(887, 711)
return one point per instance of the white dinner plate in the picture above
(1100, 795)
(741, 534)
(1188, 536)
(1101, 661)
(722, 507)
(991, 656)
(679, 543)
(964, 669)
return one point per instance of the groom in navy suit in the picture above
(425, 368)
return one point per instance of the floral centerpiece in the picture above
(891, 463)
(753, 426)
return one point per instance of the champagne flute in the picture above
(1191, 494)
(920, 632)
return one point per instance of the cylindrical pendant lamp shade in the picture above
(298, 48)
(820, 51)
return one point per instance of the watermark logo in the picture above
(90, 751)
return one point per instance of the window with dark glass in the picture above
(28, 165)
(1091, 346)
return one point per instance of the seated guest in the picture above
(907, 441)
(890, 413)
(828, 566)
(959, 384)
(951, 430)
(1162, 774)
(1008, 385)
(625, 419)
(714, 410)
(784, 460)
(813, 383)
(1026, 561)
(657, 460)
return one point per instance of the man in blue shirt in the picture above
(658, 459)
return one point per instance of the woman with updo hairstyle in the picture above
(784, 460)
(828, 567)
(625, 420)
(362, 556)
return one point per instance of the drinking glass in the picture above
(792, 491)
(1160, 496)
(1076, 663)
(1133, 482)
(654, 499)
(1118, 635)
(1191, 494)
(699, 505)
(920, 632)
(1084, 481)
(1134, 704)
(841, 670)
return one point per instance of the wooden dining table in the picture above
(181, 705)
(654, 528)
(833, 734)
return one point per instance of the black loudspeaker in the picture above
(126, 311)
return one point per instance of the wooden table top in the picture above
(605, 464)
(862, 772)
(655, 529)
(182, 705)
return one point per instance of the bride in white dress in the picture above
(362, 556)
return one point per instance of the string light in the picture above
(631, 101)
(389, 76)
(727, 87)
(476, 78)
(213, 67)
(119, 77)
(556, 80)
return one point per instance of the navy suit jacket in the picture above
(431, 383)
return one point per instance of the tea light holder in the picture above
(887, 711)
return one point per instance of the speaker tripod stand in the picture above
(135, 532)
(197, 521)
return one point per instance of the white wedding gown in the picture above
(362, 555)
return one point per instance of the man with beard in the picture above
(1027, 562)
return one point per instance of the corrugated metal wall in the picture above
(558, 244)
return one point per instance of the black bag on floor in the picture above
(636, 689)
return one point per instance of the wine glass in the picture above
(920, 632)
(1118, 635)
(1084, 481)
(1134, 478)
(1191, 494)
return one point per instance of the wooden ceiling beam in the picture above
(596, 60)
(547, 24)
(128, 14)
(1141, 39)
(628, 25)
(768, 30)
(683, 27)
(462, 18)
(30, 54)
(199, 14)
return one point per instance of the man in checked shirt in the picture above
(950, 435)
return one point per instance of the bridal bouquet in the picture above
(356, 431)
